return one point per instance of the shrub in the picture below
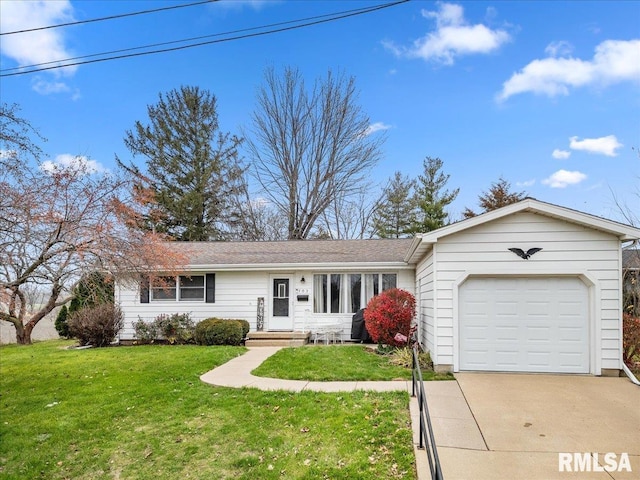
(146, 332)
(215, 331)
(97, 325)
(630, 339)
(62, 327)
(388, 314)
(175, 328)
(245, 327)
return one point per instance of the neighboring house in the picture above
(631, 280)
(480, 306)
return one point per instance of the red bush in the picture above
(630, 339)
(388, 314)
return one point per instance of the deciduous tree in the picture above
(499, 195)
(310, 147)
(58, 224)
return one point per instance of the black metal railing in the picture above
(427, 439)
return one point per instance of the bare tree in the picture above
(310, 147)
(57, 224)
(349, 216)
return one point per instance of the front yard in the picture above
(142, 412)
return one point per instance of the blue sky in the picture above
(545, 94)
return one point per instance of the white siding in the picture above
(424, 272)
(306, 320)
(237, 296)
(568, 249)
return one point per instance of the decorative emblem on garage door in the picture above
(522, 254)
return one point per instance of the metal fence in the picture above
(427, 439)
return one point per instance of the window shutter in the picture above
(210, 296)
(144, 290)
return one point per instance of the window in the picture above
(163, 289)
(345, 292)
(194, 288)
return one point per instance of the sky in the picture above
(545, 94)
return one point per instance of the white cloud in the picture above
(614, 61)
(41, 46)
(601, 146)
(376, 127)
(560, 154)
(564, 178)
(72, 163)
(44, 87)
(559, 49)
(452, 38)
(526, 183)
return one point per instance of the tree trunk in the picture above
(23, 333)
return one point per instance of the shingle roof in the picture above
(631, 258)
(294, 252)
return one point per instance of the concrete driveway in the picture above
(513, 426)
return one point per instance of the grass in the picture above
(335, 363)
(142, 413)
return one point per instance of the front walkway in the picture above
(452, 420)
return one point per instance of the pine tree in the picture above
(430, 197)
(396, 210)
(499, 195)
(62, 327)
(192, 171)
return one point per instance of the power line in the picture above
(112, 17)
(231, 32)
(309, 22)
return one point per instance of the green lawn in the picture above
(142, 413)
(335, 363)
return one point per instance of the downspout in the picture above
(630, 374)
(626, 369)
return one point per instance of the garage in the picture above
(524, 324)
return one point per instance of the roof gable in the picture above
(422, 243)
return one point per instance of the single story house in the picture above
(530, 287)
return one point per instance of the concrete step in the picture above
(277, 339)
(274, 343)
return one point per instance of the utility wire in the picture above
(112, 17)
(231, 32)
(315, 21)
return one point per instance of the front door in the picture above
(280, 314)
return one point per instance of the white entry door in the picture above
(280, 310)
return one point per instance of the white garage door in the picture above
(524, 325)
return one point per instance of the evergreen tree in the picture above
(62, 327)
(431, 198)
(499, 195)
(396, 210)
(193, 171)
(92, 290)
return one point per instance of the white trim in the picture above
(623, 232)
(595, 318)
(269, 301)
(434, 292)
(370, 267)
